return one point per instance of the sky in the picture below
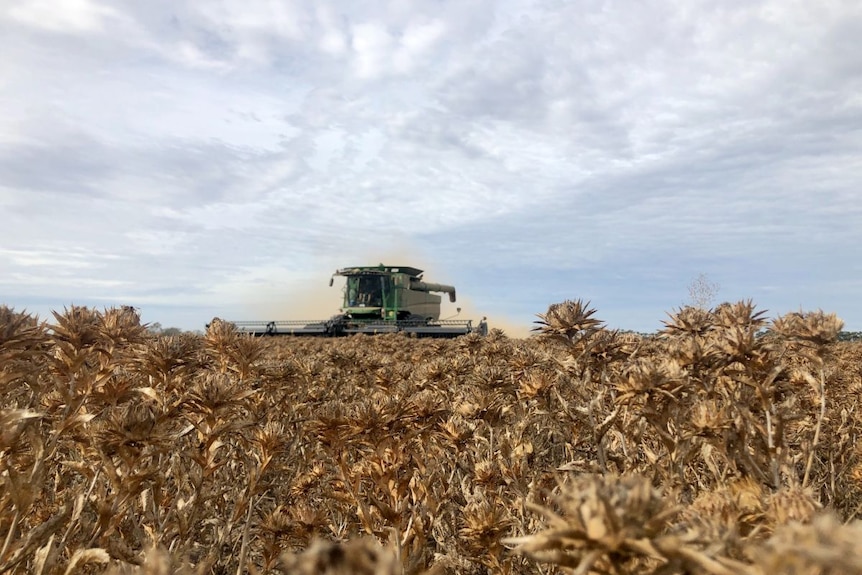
(200, 159)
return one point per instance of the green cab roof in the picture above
(379, 269)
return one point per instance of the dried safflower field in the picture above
(727, 443)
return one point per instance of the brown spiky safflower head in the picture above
(738, 344)
(18, 332)
(457, 431)
(567, 321)
(219, 340)
(13, 423)
(658, 377)
(245, 354)
(736, 333)
(535, 384)
(526, 357)
(122, 325)
(305, 482)
(486, 472)
(22, 338)
(357, 557)
(77, 326)
(732, 509)
(471, 343)
(268, 440)
(11, 322)
(816, 327)
(428, 405)
(483, 524)
(748, 495)
(824, 546)
(332, 424)
(597, 516)
(688, 320)
(709, 417)
(278, 522)
(170, 360)
(740, 314)
(692, 350)
(128, 430)
(217, 393)
(301, 521)
(607, 347)
(479, 403)
(791, 504)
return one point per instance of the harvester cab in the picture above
(380, 299)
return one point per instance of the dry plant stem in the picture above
(395, 541)
(600, 437)
(711, 565)
(86, 497)
(600, 448)
(770, 439)
(644, 547)
(817, 428)
(588, 561)
(565, 405)
(36, 538)
(243, 550)
(855, 515)
(13, 529)
(363, 511)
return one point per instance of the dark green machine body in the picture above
(392, 293)
(380, 299)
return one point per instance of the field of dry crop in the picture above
(706, 449)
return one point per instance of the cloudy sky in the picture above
(199, 159)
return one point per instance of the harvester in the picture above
(379, 299)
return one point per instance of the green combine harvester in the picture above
(379, 299)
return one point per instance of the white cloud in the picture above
(74, 259)
(66, 16)
(417, 40)
(372, 44)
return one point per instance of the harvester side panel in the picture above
(418, 303)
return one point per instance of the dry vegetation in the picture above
(706, 449)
